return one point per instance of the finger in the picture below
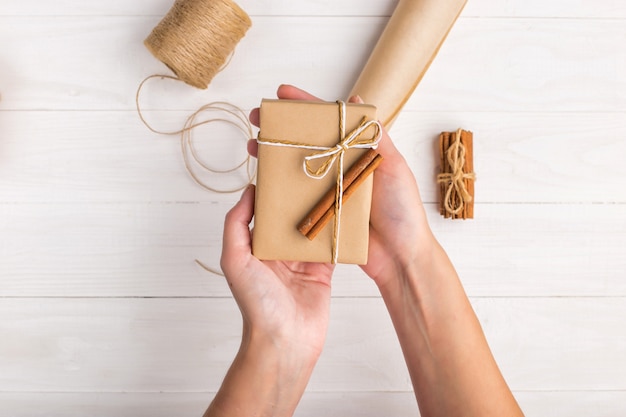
(253, 148)
(386, 147)
(237, 241)
(290, 92)
(393, 162)
(254, 117)
(287, 92)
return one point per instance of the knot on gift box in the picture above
(457, 190)
(355, 139)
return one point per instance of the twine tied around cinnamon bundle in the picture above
(329, 155)
(456, 190)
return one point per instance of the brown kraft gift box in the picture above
(285, 194)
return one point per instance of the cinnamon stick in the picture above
(346, 194)
(443, 145)
(323, 211)
(467, 139)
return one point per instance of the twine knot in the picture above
(353, 140)
(456, 179)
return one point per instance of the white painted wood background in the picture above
(104, 313)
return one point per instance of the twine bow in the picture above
(329, 155)
(456, 179)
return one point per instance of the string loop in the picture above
(190, 154)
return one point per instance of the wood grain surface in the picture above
(102, 309)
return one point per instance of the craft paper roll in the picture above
(408, 45)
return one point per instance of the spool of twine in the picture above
(196, 37)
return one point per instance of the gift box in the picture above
(290, 132)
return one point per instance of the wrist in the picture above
(411, 265)
(424, 291)
(283, 368)
(267, 378)
(288, 354)
(424, 285)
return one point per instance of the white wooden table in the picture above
(102, 309)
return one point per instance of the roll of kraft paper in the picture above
(408, 45)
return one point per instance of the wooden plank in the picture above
(535, 250)
(103, 404)
(508, 64)
(111, 157)
(82, 157)
(186, 345)
(475, 8)
(126, 250)
(608, 9)
(578, 403)
(532, 339)
(97, 213)
(106, 76)
(524, 157)
(526, 65)
(370, 404)
(160, 7)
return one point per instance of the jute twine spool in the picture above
(196, 37)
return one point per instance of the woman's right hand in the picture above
(399, 231)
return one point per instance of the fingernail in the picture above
(245, 190)
(356, 99)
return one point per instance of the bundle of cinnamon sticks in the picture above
(455, 198)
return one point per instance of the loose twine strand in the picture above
(329, 155)
(456, 179)
(188, 148)
(189, 151)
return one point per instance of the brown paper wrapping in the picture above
(285, 193)
(404, 52)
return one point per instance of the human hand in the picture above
(284, 302)
(285, 311)
(399, 231)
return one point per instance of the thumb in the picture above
(237, 240)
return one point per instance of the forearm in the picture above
(451, 366)
(264, 380)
